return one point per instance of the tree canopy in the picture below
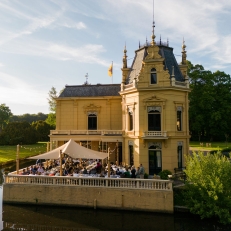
(209, 107)
(30, 118)
(208, 188)
(18, 133)
(5, 114)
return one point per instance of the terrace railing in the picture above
(147, 134)
(125, 183)
(87, 132)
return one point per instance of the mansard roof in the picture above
(165, 51)
(91, 90)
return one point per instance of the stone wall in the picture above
(123, 199)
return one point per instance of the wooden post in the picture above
(61, 158)
(117, 151)
(108, 165)
(17, 159)
(48, 146)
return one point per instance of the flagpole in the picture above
(112, 73)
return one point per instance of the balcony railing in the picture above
(180, 84)
(125, 183)
(87, 132)
(147, 134)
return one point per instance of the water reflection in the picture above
(43, 218)
(48, 218)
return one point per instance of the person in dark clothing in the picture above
(133, 172)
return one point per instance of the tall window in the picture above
(153, 76)
(180, 154)
(155, 158)
(179, 119)
(131, 154)
(154, 118)
(130, 124)
(92, 122)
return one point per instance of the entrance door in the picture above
(155, 162)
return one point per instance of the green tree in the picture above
(51, 120)
(208, 187)
(28, 117)
(43, 130)
(5, 114)
(19, 133)
(51, 99)
(209, 107)
(52, 106)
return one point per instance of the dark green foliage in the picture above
(209, 108)
(43, 130)
(18, 133)
(145, 176)
(5, 114)
(30, 118)
(51, 120)
(208, 188)
(164, 174)
(179, 193)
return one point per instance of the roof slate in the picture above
(91, 90)
(165, 52)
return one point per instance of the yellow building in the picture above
(143, 120)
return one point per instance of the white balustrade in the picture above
(128, 183)
(155, 133)
(86, 132)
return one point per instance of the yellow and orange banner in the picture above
(110, 70)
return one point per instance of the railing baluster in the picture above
(148, 184)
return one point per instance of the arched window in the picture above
(92, 122)
(153, 76)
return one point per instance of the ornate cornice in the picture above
(92, 108)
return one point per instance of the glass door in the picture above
(155, 162)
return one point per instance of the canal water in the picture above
(48, 218)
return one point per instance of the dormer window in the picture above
(153, 76)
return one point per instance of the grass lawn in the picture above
(214, 145)
(8, 153)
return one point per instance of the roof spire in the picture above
(184, 56)
(160, 39)
(146, 41)
(125, 57)
(167, 42)
(153, 25)
(86, 76)
(139, 44)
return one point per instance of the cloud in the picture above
(14, 90)
(1, 65)
(78, 26)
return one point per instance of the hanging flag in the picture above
(110, 70)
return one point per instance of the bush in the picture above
(208, 186)
(145, 176)
(19, 133)
(164, 174)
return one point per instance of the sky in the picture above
(53, 43)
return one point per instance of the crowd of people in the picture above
(76, 167)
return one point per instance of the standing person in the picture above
(141, 171)
(133, 172)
